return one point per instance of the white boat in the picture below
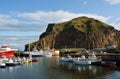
(10, 62)
(94, 59)
(66, 59)
(4, 59)
(2, 64)
(48, 53)
(34, 53)
(81, 61)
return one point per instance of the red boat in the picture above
(7, 51)
(35, 60)
(108, 63)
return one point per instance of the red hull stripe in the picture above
(7, 53)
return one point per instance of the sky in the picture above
(22, 21)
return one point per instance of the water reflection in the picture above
(71, 71)
(51, 68)
(10, 69)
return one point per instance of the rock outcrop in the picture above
(81, 32)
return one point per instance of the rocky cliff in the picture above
(81, 32)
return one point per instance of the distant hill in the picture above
(81, 32)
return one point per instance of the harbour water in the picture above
(51, 68)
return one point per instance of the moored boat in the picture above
(2, 64)
(34, 53)
(108, 63)
(10, 63)
(26, 61)
(94, 60)
(35, 60)
(47, 53)
(66, 59)
(7, 51)
(81, 61)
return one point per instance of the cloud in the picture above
(117, 24)
(112, 2)
(58, 16)
(32, 22)
(18, 41)
(38, 21)
(12, 38)
(8, 23)
(7, 20)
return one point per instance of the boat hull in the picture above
(108, 63)
(62, 59)
(82, 62)
(7, 53)
(35, 60)
(27, 55)
(3, 65)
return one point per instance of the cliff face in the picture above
(81, 32)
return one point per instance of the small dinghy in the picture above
(35, 60)
(2, 64)
(12, 63)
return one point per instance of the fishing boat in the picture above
(67, 58)
(34, 53)
(94, 60)
(47, 52)
(108, 63)
(7, 51)
(2, 64)
(81, 61)
(11, 62)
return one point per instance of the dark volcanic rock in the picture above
(81, 32)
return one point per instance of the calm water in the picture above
(51, 68)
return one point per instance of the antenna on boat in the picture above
(4, 43)
(30, 56)
(29, 47)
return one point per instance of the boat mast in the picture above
(4, 43)
(29, 48)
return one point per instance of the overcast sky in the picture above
(22, 21)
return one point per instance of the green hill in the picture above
(81, 32)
